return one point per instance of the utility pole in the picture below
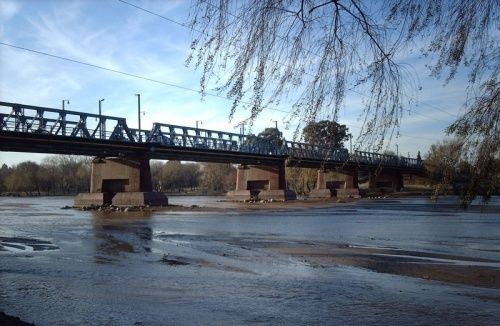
(139, 114)
(101, 124)
(242, 127)
(350, 143)
(64, 101)
(63, 118)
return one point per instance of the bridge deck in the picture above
(26, 128)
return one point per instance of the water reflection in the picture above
(117, 234)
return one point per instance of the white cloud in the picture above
(8, 9)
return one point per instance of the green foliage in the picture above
(326, 133)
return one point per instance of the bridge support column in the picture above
(341, 184)
(121, 182)
(385, 181)
(261, 182)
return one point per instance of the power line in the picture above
(123, 73)
(191, 28)
(153, 80)
(157, 15)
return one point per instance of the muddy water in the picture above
(67, 267)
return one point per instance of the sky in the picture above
(117, 36)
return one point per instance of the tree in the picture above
(171, 177)
(175, 176)
(4, 173)
(156, 171)
(66, 174)
(218, 177)
(442, 162)
(309, 52)
(268, 140)
(301, 180)
(446, 167)
(326, 133)
(24, 177)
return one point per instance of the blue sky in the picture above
(117, 36)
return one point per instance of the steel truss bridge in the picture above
(27, 128)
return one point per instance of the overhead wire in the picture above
(192, 28)
(144, 78)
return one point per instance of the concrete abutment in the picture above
(261, 183)
(341, 183)
(121, 182)
(385, 181)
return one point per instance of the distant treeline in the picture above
(56, 175)
(69, 175)
(173, 176)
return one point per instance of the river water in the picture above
(70, 267)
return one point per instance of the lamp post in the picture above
(397, 150)
(201, 122)
(64, 101)
(242, 127)
(63, 118)
(101, 124)
(275, 123)
(139, 114)
(350, 143)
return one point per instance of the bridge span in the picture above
(28, 128)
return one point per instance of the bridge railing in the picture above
(49, 121)
(305, 150)
(385, 160)
(68, 123)
(174, 135)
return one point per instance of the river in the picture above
(227, 266)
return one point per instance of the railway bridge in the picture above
(121, 173)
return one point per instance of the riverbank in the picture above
(429, 266)
(222, 205)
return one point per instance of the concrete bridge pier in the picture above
(385, 181)
(341, 184)
(261, 182)
(121, 182)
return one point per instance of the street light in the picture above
(201, 122)
(100, 101)
(139, 114)
(63, 118)
(350, 142)
(276, 123)
(64, 101)
(101, 132)
(242, 127)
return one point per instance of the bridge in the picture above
(117, 147)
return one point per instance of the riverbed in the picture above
(400, 261)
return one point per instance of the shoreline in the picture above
(463, 270)
(298, 204)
